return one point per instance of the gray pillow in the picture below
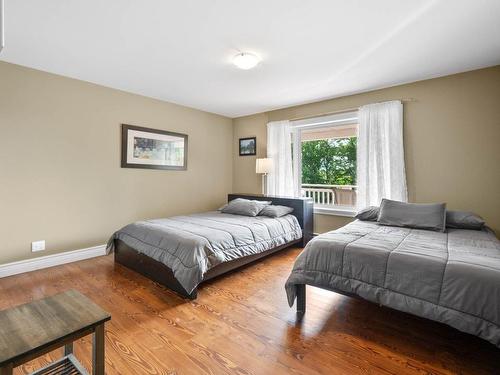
(275, 211)
(430, 216)
(464, 220)
(368, 214)
(245, 207)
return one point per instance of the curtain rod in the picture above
(404, 100)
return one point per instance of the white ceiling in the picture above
(180, 51)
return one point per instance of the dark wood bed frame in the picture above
(160, 273)
(301, 296)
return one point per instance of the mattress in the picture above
(451, 277)
(193, 244)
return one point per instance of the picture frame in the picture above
(153, 148)
(248, 146)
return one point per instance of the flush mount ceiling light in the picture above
(246, 60)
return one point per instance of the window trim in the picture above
(337, 119)
(336, 211)
(333, 120)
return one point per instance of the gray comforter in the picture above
(451, 277)
(191, 245)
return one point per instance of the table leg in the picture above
(7, 369)
(68, 349)
(97, 351)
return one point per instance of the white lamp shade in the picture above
(263, 165)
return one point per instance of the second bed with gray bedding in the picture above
(451, 277)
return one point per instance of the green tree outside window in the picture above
(329, 161)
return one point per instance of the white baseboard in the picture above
(28, 265)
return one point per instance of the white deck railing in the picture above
(326, 194)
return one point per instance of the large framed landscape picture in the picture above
(153, 149)
(248, 146)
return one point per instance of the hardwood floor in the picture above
(241, 324)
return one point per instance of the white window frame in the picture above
(338, 119)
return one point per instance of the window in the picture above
(324, 153)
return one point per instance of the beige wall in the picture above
(61, 181)
(60, 175)
(451, 136)
(245, 180)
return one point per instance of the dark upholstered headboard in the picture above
(302, 210)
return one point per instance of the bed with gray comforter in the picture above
(451, 277)
(191, 245)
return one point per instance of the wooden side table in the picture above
(36, 328)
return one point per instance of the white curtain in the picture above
(380, 154)
(280, 180)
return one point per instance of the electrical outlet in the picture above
(38, 246)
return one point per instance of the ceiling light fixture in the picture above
(246, 60)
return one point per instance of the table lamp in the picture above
(264, 166)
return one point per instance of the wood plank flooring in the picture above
(241, 324)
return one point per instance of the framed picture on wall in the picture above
(248, 146)
(153, 148)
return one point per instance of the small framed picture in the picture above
(248, 146)
(153, 149)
